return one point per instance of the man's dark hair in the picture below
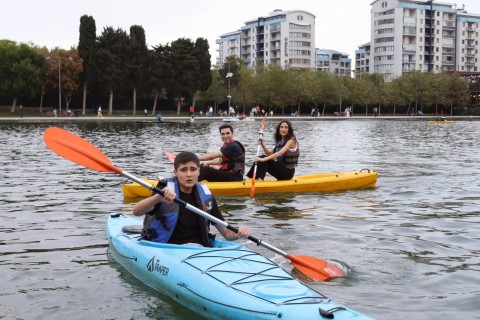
(184, 157)
(224, 126)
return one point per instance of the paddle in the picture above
(171, 157)
(260, 134)
(80, 151)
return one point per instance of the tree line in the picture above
(120, 64)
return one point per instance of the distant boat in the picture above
(441, 121)
(230, 119)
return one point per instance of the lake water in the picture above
(411, 245)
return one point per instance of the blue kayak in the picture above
(228, 281)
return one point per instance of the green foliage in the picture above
(204, 79)
(21, 70)
(111, 60)
(183, 81)
(87, 43)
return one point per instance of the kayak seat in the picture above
(133, 229)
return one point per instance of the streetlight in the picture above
(60, 82)
(341, 86)
(229, 75)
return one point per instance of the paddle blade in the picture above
(252, 189)
(264, 120)
(314, 268)
(78, 150)
(170, 155)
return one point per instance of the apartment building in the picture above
(362, 59)
(332, 61)
(283, 38)
(421, 35)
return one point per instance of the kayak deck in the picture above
(322, 182)
(228, 281)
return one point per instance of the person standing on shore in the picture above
(99, 112)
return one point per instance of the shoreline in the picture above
(203, 119)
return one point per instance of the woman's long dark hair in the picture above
(290, 135)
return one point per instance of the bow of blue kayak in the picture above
(228, 281)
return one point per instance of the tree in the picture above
(110, 61)
(217, 90)
(324, 89)
(204, 78)
(182, 83)
(137, 56)
(70, 68)
(158, 72)
(86, 50)
(455, 91)
(21, 70)
(244, 88)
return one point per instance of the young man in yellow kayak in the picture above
(231, 158)
(167, 222)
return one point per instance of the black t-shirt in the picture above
(189, 225)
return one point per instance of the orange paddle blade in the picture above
(170, 155)
(252, 189)
(314, 268)
(78, 150)
(264, 120)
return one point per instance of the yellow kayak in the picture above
(441, 121)
(321, 182)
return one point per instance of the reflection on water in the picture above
(410, 245)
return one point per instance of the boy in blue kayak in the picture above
(166, 222)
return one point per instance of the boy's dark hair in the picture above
(224, 126)
(184, 157)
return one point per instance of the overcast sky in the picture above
(340, 24)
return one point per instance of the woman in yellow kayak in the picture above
(282, 160)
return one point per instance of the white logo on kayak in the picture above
(154, 266)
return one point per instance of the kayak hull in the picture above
(228, 281)
(323, 182)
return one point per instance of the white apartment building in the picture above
(284, 38)
(423, 35)
(362, 59)
(332, 61)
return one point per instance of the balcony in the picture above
(409, 48)
(470, 35)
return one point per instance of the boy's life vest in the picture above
(234, 164)
(159, 224)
